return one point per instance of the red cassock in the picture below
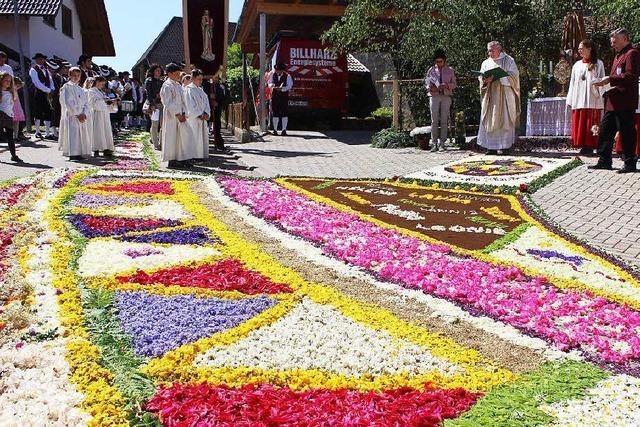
(582, 121)
(619, 141)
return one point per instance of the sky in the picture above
(136, 23)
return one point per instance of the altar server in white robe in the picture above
(585, 99)
(198, 112)
(500, 102)
(75, 136)
(178, 143)
(100, 122)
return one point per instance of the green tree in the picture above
(620, 13)
(409, 31)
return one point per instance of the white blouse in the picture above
(582, 93)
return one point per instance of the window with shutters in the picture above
(67, 21)
(50, 20)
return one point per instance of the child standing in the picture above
(7, 95)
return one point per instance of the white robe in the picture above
(100, 122)
(582, 93)
(500, 139)
(75, 137)
(178, 142)
(197, 103)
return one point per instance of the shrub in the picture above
(383, 113)
(392, 138)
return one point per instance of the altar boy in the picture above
(75, 136)
(178, 143)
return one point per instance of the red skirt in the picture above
(619, 140)
(582, 121)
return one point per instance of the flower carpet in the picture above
(134, 296)
(505, 171)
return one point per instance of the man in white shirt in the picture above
(42, 86)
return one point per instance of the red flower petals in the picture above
(94, 226)
(263, 405)
(226, 275)
(156, 187)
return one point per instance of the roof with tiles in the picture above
(31, 7)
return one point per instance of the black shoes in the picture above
(599, 166)
(283, 133)
(176, 164)
(38, 135)
(16, 159)
(75, 158)
(492, 152)
(586, 151)
(629, 167)
(108, 153)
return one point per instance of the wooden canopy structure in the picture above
(262, 20)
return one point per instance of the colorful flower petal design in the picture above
(206, 404)
(604, 331)
(317, 337)
(101, 226)
(106, 257)
(157, 324)
(182, 236)
(225, 275)
(137, 187)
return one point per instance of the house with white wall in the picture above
(62, 28)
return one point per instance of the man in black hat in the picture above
(86, 68)
(42, 86)
(281, 83)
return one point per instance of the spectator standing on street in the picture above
(6, 113)
(152, 86)
(621, 104)
(219, 102)
(43, 85)
(440, 82)
(585, 99)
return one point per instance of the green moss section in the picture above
(517, 404)
(507, 239)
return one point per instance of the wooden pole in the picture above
(263, 71)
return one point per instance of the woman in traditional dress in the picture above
(585, 99)
(100, 124)
(198, 113)
(75, 139)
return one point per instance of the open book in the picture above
(497, 73)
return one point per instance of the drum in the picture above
(127, 106)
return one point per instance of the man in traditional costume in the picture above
(500, 102)
(85, 63)
(281, 83)
(100, 123)
(198, 113)
(42, 86)
(621, 103)
(75, 137)
(178, 143)
(585, 99)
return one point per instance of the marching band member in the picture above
(281, 83)
(42, 86)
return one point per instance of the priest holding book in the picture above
(500, 97)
